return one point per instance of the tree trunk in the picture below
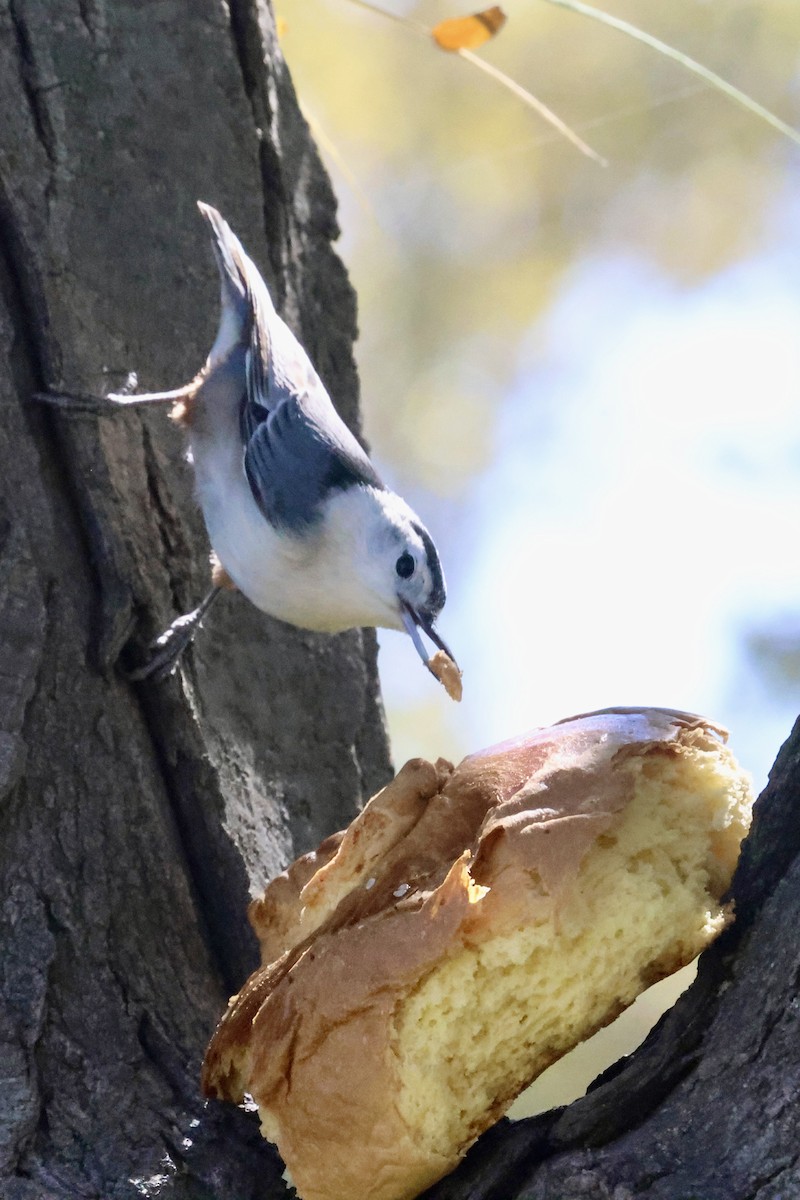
(136, 820)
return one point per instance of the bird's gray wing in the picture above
(293, 462)
(297, 448)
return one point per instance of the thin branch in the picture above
(710, 77)
(535, 104)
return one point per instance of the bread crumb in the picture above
(447, 673)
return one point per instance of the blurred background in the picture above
(585, 379)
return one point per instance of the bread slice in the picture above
(469, 928)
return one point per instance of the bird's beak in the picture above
(415, 619)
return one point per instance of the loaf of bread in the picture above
(470, 927)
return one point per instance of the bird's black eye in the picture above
(405, 565)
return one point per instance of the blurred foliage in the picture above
(477, 211)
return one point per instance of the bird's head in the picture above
(376, 564)
(408, 571)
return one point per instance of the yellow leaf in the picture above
(468, 33)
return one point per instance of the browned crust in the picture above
(410, 834)
(349, 931)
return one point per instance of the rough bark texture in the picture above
(135, 820)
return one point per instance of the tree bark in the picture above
(136, 820)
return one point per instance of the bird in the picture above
(298, 518)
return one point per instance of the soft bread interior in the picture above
(506, 1004)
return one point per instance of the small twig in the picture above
(690, 64)
(536, 104)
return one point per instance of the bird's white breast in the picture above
(317, 580)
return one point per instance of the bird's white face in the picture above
(404, 567)
(382, 561)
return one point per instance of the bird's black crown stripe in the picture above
(439, 591)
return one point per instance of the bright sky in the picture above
(640, 516)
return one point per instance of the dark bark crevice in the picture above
(118, 617)
(93, 16)
(33, 87)
(247, 36)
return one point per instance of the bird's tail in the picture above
(241, 286)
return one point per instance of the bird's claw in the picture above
(170, 645)
(166, 650)
(128, 387)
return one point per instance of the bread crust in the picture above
(442, 864)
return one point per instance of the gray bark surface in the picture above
(136, 820)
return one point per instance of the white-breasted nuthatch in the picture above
(298, 518)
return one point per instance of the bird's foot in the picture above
(166, 650)
(170, 645)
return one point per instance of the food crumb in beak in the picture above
(448, 674)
